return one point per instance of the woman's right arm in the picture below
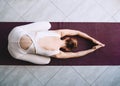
(64, 55)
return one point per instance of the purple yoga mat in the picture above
(108, 33)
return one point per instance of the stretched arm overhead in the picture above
(35, 27)
(36, 59)
(64, 55)
(67, 32)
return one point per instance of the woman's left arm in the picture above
(65, 55)
(67, 32)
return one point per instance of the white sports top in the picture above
(35, 31)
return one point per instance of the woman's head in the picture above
(70, 43)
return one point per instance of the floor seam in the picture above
(33, 75)
(53, 75)
(80, 75)
(99, 76)
(29, 9)
(14, 10)
(73, 10)
(8, 74)
(57, 8)
(105, 9)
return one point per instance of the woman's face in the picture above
(70, 43)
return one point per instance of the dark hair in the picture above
(70, 44)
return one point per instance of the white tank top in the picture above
(37, 36)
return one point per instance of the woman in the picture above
(36, 43)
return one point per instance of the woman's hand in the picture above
(97, 42)
(96, 47)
